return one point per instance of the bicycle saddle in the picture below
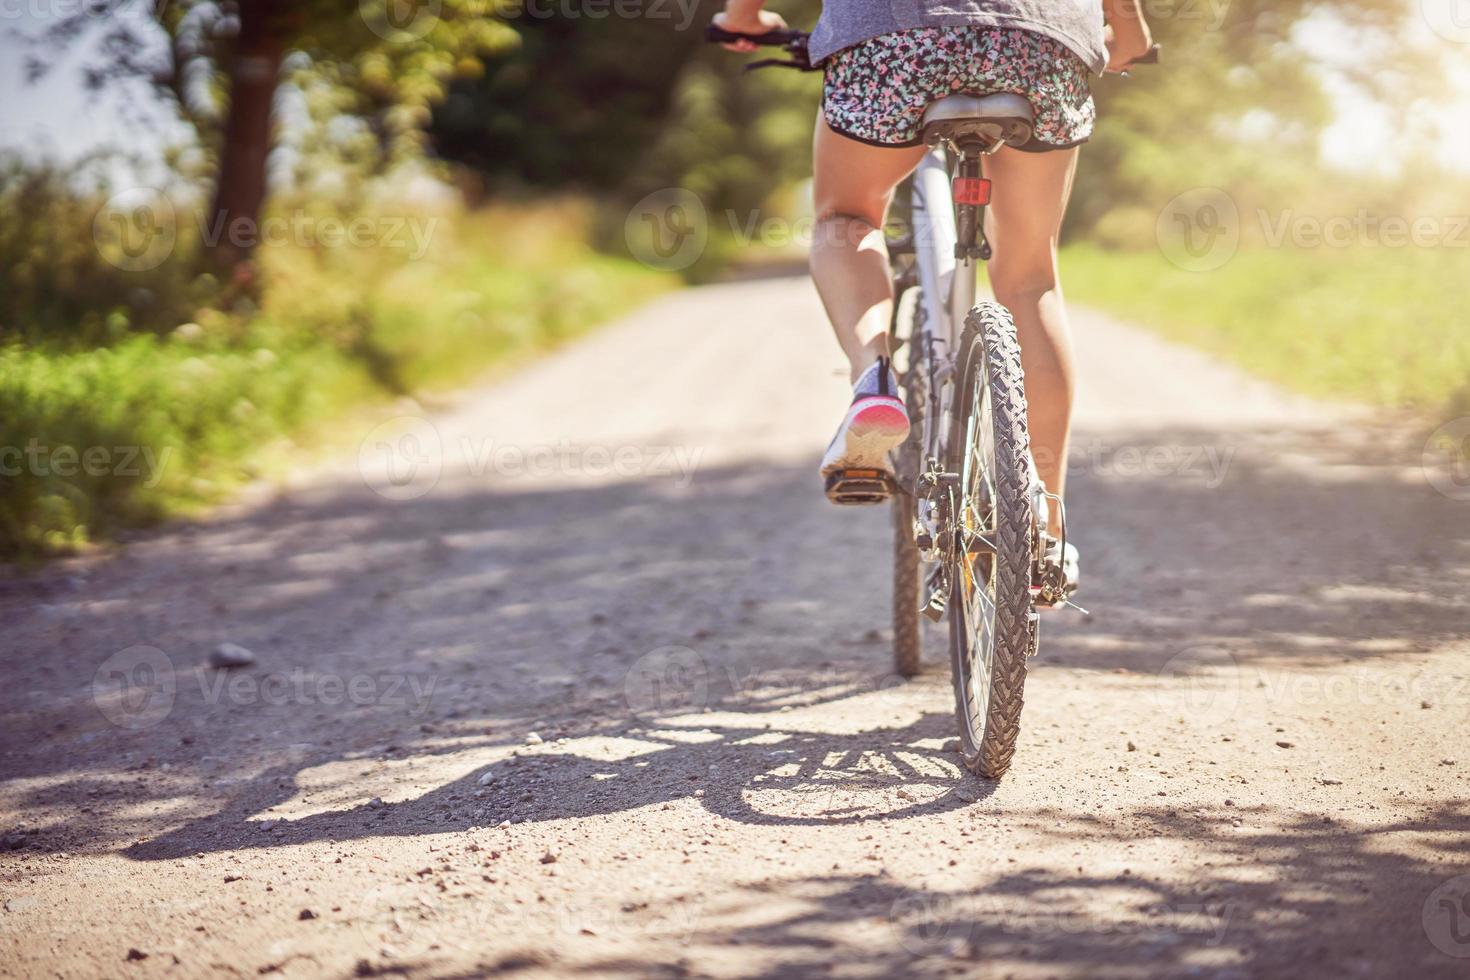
(1000, 117)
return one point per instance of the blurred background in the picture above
(223, 226)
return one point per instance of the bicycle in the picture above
(972, 543)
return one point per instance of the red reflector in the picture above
(971, 190)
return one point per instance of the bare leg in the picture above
(1023, 221)
(852, 189)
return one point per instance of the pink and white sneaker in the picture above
(856, 468)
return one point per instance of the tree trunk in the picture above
(233, 228)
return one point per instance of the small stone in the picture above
(503, 825)
(1286, 745)
(376, 803)
(229, 655)
(137, 954)
(549, 857)
(904, 794)
(1329, 781)
(953, 745)
(1132, 747)
(1446, 762)
(487, 779)
(1425, 705)
(306, 914)
(533, 739)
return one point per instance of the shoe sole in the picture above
(873, 427)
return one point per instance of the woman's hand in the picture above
(1126, 34)
(747, 17)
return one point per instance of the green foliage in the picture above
(1381, 325)
(631, 105)
(55, 285)
(1238, 101)
(172, 422)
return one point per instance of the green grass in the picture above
(97, 439)
(1378, 325)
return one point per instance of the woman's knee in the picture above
(1023, 282)
(849, 227)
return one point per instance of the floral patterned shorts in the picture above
(876, 91)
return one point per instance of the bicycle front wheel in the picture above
(990, 608)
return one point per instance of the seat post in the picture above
(970, 243)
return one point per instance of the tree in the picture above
(223, 63)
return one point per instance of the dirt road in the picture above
(583, 677)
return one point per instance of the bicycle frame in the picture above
(946, 271)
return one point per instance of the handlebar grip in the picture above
(777, 39)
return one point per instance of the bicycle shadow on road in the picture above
(532, 606)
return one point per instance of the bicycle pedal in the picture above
(938, 599)
(859, 486)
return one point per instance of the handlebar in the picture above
(775, 39)
(792, 42)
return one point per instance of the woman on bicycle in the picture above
(884, 62)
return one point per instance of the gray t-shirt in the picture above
(1076, 23)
